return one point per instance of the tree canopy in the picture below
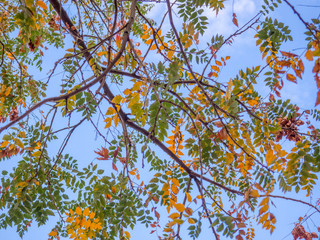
(185, 137)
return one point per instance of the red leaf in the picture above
(277, 93)
(115, 153)
(288, 54)
(318, 99)
(316, 67)
(222, 134)
(234, 19)
(218, 124)
(271, 98)
(317, 80)
(157, 214)
(104, 153)
(114, 167)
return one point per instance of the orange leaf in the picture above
(180, 207)
(218, 63)
(86, 212)
(53, 233)
(309, 55)
(291, 78)
(78, 211)
(153, 47)
(215, 68)
(42, 5)
(174, 215)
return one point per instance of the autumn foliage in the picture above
(186, 138)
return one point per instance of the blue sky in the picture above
(84, 140)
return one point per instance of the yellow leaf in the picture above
(229, 157)
(4, 144)
(179, 221)
(36, 154)
(264, 218)
(78, 211)
(108, 122)
(86, 212)
(110, 111)
(117, 99)
(228, 92)
(22, 184)
(189, 197)
(263, 209)
(116, 120)
(137, 86)
(264, 201)
(153, 47)
(18, 142)
(191, 221)
(91, 61)
(167, 230)
(127, 91)
(42, 5)
(254, 193)
(174, 215)
(174, 189)
(176, 182)
(180, 207)
(171, 52)
(8, 90)
(252, 103)
(270, 157)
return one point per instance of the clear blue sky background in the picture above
(243, 55)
